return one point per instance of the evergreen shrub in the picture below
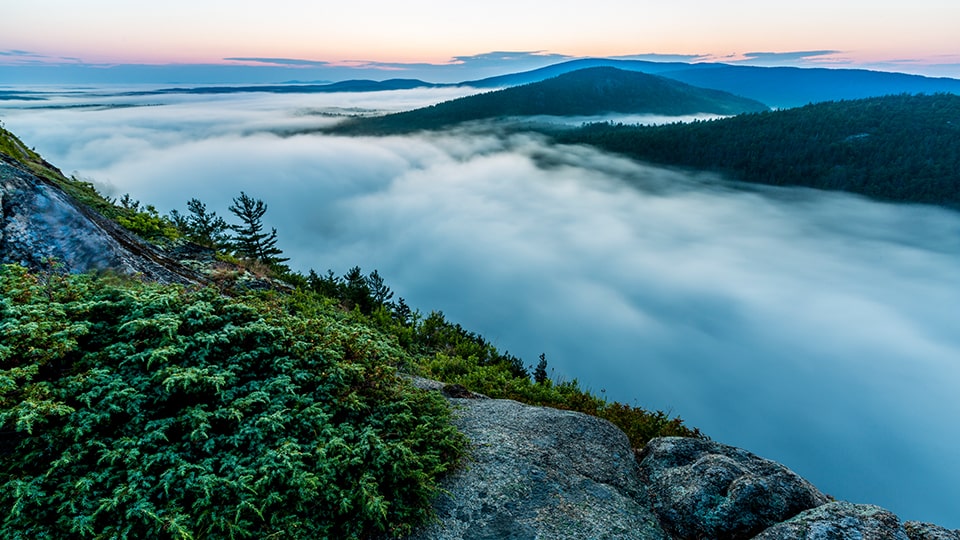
(131, 410)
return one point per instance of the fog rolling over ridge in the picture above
(813, 328)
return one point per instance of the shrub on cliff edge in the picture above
(131, 410)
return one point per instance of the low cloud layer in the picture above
(816, 329)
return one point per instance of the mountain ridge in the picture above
(778, 86)
(351, 85)
(553, 70)
(589, 91)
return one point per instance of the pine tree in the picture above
(357, 291)
(540, 374)
(379, 292)
(205, 228)
(403, 313)
(250, 241)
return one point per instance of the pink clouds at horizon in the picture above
(918, 34)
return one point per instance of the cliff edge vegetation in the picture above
(210, 409)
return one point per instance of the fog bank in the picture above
(816, 329)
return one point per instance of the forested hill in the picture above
(897, 148)
(589, 91)
(553, 70)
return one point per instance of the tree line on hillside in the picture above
(365, 294)
(448, 351)
(247, 240)
(903, 148)
(453, 354)
(370, 297)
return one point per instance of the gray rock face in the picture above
(917, 530)
(704, 489)
(839, 521)
(541, 473)
(40, 223)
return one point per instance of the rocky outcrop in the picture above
(839, 521)
(917, 530)
(536, 472)
(704, 489)
(41, 225)
(540, 473)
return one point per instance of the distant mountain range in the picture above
(589, 91)
(358, 85)
(779, 87)
(785, 87)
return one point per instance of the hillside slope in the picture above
(44, 224)
(555, 70)
(896, 148)
(591, 91)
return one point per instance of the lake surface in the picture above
(820, 330)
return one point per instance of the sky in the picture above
(318, 39)
(817, 329)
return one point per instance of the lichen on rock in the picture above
(704, 489)
(918, 530)
(839, 521)
(536, 472)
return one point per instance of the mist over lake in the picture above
(817, 329)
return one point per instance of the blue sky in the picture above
(376, 39)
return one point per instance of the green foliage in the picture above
(540, 374)
(898, 148)
(353, 290)
(140, 411)
(144, 221)
(435, 335)
(12, 146)
(83, 191)
(200, 226)
(499, 381)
